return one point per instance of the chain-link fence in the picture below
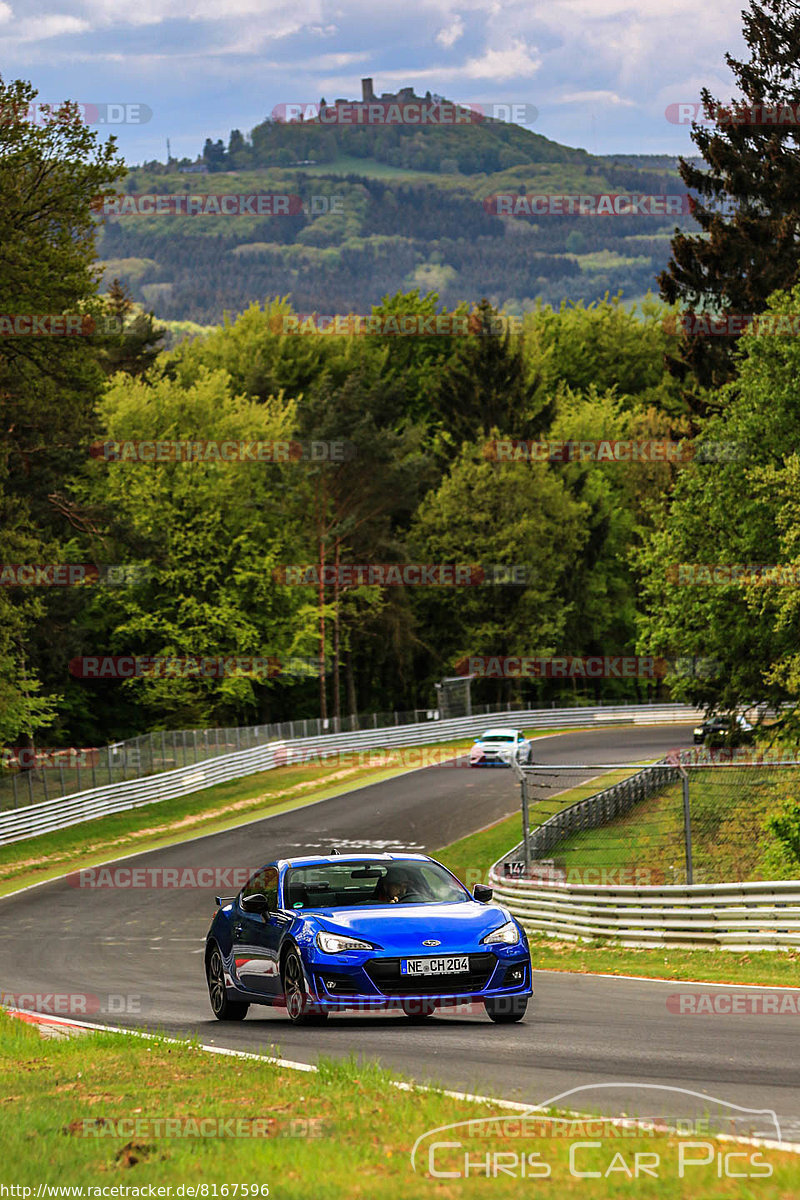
(704, 819)
(29, 776)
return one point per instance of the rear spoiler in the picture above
(223, 900)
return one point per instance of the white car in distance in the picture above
(499, 747)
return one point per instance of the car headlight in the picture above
(336, 943)
(699, 729)
(508, 934)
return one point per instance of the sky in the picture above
(601, 74)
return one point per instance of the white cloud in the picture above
(511, 63)
(565, 56)
(448, 35)
(46, 26)
(597, 97)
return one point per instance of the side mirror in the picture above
(256, 903)
(482, 893)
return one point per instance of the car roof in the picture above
(496, 730)
(305, 860)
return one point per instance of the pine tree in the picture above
(129, 339)
(752, 158)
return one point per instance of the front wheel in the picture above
(223, 1008)
(300, 1008)
(504, 1010)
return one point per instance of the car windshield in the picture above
(498, 737)
(355, 884)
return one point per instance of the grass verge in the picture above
(732, 841)
(776, 968)
(212, 810)
(105, 1110)
(471, 857)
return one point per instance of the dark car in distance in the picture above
(724, 731)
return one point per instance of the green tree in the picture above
(50, 174)
(736, 261)
(487, 384)
(736, 509)
(129, 340)
(212, 533)
(517, 513)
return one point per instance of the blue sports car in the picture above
(367, 931)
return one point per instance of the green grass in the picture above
(211, 810)
(776, 968)
(606, 260)
(731, 840)
(349, 164)
(216, 808)
(471, 857)
(344, 1133)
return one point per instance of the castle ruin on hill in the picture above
(406, 95)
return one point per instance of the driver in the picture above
(392, 886)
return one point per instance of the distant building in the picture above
(404, 96)
(197, 168)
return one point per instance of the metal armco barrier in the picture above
(613, 802)
(97, 802)
(728, 916)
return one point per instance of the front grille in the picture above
(385, 974)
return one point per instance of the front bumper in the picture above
(490, 758)
(377, 982)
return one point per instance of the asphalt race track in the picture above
(139, 952)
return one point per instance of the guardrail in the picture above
(727, 916)
(84, 806)
(730, 916)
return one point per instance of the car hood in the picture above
(404, 927)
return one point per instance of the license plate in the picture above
(435, 966)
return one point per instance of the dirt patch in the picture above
(132, 1153)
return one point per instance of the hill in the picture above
(371, 210)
